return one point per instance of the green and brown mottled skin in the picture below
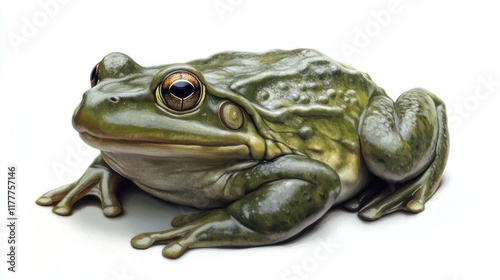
(300, 134)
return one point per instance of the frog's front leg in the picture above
(99, 180)
(405, 143)
(284, 196)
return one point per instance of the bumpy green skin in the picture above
(312, 134)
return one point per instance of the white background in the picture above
(451, 48)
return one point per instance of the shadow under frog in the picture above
(264, 143)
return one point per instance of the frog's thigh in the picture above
(282, 208)
(276, 211)
(404, 143)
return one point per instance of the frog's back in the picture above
(280, 79)
(308, 103)
(289, 88)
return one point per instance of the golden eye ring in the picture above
(180, 92)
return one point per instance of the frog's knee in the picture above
(392, 162)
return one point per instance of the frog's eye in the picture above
(94, 76)
(180, 92)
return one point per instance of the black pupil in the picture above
(181, 89)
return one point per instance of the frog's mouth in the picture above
(157, 149)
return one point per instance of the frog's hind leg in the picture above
(277, 208)
(405, 143)
(268, 215)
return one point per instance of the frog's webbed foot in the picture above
(356, 203)
(99, 180)
(405, 143)
(410, 197)
(185, 219)
(217, 228)
(243, 223)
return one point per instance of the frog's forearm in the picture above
(99, 180)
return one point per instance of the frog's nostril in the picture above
(114, 99)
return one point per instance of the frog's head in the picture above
(163, 111)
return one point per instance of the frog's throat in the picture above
(153, 149)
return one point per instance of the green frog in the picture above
(263, 143)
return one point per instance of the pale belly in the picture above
(200, 183)
(186, 181)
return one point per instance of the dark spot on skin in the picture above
(264, 95)
(304, 99)
(294, 96)
(283, 86)
(330, 92)
(323, 99)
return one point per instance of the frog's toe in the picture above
(416, 205)
(53, 196)
(370, 214)
(148, 239)
(352, 205)
(179, 240)
(142, 241)
(65, 204)
(110, 204)
(44, 201)
(392, 204)
(410, 197)
(112, 210)
(174, 250)
(62, 210)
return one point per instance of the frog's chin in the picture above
(153, 149)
